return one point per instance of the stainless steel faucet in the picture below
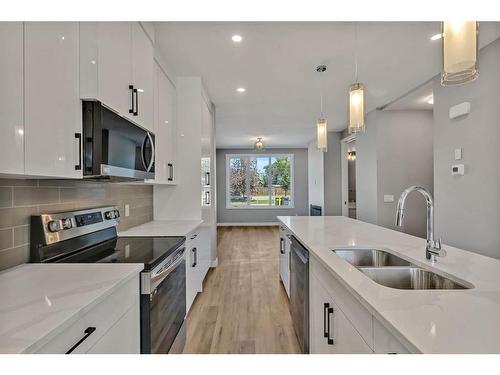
(433, 248)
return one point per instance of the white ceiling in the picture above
(276, 63)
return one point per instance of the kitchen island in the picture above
(422, 321)
(50, 308)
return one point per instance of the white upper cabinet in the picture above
(114, 66)
(117, 68)
(52, 109)
(142, 76)
(165, 129)
(11, 98)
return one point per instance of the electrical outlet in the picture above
(127, 210)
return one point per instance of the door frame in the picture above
(344, 145)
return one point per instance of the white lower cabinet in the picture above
(113, 326)
(339, 323)
(330, 330)
(384, 342)
(197, 263)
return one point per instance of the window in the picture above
(259, 181)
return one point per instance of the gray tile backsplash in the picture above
(19, 199)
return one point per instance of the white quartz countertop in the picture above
(428, 321)
(38, 301)
(162, 228)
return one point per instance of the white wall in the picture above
(366, 173)
(393, 154)
(316, 182)
(468, 207)
(333, 176)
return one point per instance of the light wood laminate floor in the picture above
(243, 307)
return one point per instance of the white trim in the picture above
(256, 155)
(261, 224)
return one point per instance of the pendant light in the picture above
(356, 120)
(259, 145)
(321, 123)
(460, 52)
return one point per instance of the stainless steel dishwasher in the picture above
(299, 293)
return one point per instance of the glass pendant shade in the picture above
(460, 52)
(322, 132)
(356, 109)
(259, 145)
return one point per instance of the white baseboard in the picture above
(261, 224)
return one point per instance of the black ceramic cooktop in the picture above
(148, 250)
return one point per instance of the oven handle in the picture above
(161, 275)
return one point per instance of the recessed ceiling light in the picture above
(437, 36)
(237, 38)
(241, 89)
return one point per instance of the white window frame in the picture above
(249, 207)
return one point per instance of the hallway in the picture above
(243, 307)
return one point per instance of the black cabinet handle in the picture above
(88, 332)
(207, 198)
(131, 88)
(195, 252)
(136, 111)
(207, 178)
(326, 306)
(171, 171)
(329, 312)
(282, 245)
(79, 137)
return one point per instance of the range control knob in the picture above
(113, 214)
(55, 225)
(67, 224)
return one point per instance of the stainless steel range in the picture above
(90, 236)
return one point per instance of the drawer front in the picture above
(122, 338)
(384, 342)
(357, 314)
(102, 317)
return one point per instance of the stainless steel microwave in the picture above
(114, 147)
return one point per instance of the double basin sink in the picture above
(392, 271)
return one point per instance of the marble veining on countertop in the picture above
(428, 321)
(159, 228)
(38, 301)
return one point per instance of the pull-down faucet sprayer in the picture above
(433, 248)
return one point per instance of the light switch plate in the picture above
(127, 210)
(458, 154)
(388, 198)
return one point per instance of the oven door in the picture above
(163, 309)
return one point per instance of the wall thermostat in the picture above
(457, 170)
(458, 110)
